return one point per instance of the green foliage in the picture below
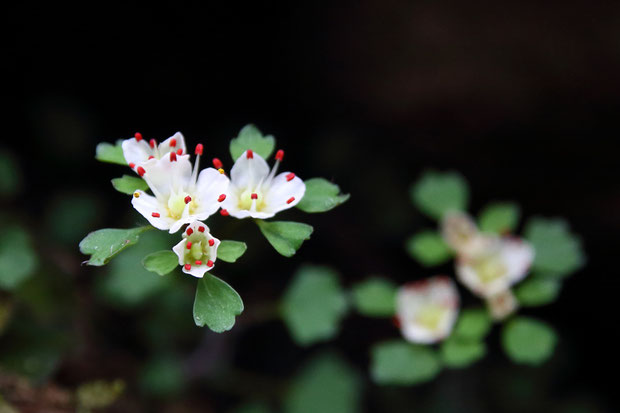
(231, 251)
(216, 304)
(528, 341)
(428, 248)
(98, 394)
(458, 353)
(128, 184)
(397, 362)
(436, 193)
(326, 385)
(17, 258)
(71, 215)
(251, 138)
(375, 297)
(162, 377)
(321, 195)
(104, 244)
(161, 262)
(558, 251)
(285, 236)
(472, 325)
(313, 305)
(10, 175)
(538, 291)
(106, 152)
(252, 408)
(500, 217)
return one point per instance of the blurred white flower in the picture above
(501, 305)
(197, 251)
(137, 150)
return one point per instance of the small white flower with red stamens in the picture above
(257, 192)
(427, 310)
(180, 194)
(138, 150)
(197, 251)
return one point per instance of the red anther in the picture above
(173, 143)
(152, 143)
(155, 215)
(209, 263)
(279, 155)
(198, 150)
(290, 176)
(180, 151)
(173, 157)
(221, 198)
(249, 154)
(396, 321)
(189, 231)
(201, 229)
(151, 157)
(211, 242)
(254, 196)
(188, 267)
(291, 199)
(132, 165)
(138, 136)
(141, 171)
(217, 164)
(198, 262)
(188, 245)
(188, 199)
(224, 212)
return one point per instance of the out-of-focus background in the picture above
(522, 99)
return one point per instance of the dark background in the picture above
(520, 98)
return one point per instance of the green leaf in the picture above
(161, 262)
(313, 305)
(528, 341)
(10, 174)
(428, 248)
(106, 152)
(216, 304)
(327, 385)
(18, 260)
(230, 251)
(285, 236)
(129, 184)
(458, 353)
(375, 297)
(538, 291)
(500, 217)
(436, 193)
(162, 377)
(104, 244)
(251, 138)
(558, 251)
(400, 363)
(98, 394)
(473, 324)
(321, 195)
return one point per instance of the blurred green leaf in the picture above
(17, 258)
(457, 353)
(251, 138)
(400, 363)
(537, 291)
(428, 248)
(162, 377)
(231, 251)
(499, 217)
(71, 215)
(436, 193)
(128, 184)
(528, 341)
(375, 297)
(558, 251)
(321, 195)
(313, 305)
(285, 236)
(98, 394)
(104, 244)
(216, 304)
(10, 174)
(472, 324)
(161, 262)
(327, 385)
(106, 152)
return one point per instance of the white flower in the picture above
(460, 232)
(502, 305)
(494, 269)
(137, 151)
(180, 195)
(426, 310)
(197, 251)
(257, 192)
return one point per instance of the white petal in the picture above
(165, 176)
(502, 305)
(165, 148)
(179, 250)
(248, 173)
(136, 152)
(282, 190)
(146, 204)
(518, 256)
(195, 226)
(197, 271)
(209, 186)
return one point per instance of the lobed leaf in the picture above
(216, 304)
(161, 262)
(428, 248)
(375, 297)
(472, 324)
(436, 193)
(231, 251)
(285, 236)
(106, 152)
(128, 184)
(458, 353)
(528, 341)
(321, 196)
(104, 244)
(499, 217)
(400, 363)
(538, 291)
(251, 138)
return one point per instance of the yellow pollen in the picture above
(136, 194)
(221, 170)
